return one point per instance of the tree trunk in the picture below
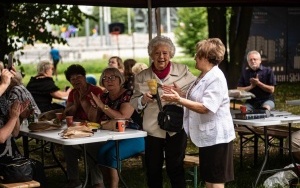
(217, 29)
(239, 28)
(3, 30)
(240, 23)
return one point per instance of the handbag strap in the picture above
(159, 101)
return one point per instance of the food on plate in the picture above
(91, 125)
(77, 132)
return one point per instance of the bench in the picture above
(192, 161)
(21, 185)
(251, 134)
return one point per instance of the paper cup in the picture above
(59, 116)
(243, 109)
(69, 120)
(121, 125)
(152, 84)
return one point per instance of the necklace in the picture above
(196, 82)
(192, 87)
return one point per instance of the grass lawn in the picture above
(132, 169)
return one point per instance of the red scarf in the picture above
(161, 74)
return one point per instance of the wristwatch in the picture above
(105, 107)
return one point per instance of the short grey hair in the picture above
(43, 66)
(161, 40)
(253, 52)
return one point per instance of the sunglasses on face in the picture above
(111, 78)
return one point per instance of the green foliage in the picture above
(117, 15)
(26, 23)
(192, 28)
(120, 15)
(33, 28)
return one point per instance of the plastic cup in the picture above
(59, 116)
(243, 109)
(121, 125)
(152, 84)
(69, 120)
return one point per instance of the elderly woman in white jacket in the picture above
(207, 118)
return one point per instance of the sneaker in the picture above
(73, 184)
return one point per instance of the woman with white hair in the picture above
(43, 88)
(160, 144)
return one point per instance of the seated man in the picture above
(79, 106)
(260, 81)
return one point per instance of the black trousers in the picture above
(172, 150)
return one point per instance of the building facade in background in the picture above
(275, 34)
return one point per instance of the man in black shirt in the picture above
(260, 81)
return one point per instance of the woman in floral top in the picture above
(115, 104)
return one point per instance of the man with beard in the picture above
(260, 81)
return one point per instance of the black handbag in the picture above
(16, 170)
(170, 117)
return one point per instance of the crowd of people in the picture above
(122, 92)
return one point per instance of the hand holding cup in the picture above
(152, 84)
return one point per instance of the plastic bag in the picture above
(280, 179)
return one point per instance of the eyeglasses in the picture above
(111, 78)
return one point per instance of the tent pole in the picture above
(158, 21)
(150, 24)
(150, 19)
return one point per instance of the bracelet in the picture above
(105, 107)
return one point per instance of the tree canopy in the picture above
(230, 24)
(25, 23)
(192, 27)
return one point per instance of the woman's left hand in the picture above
(167, 89)
(96, 102)
(171, 97)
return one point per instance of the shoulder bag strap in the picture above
(159, 101)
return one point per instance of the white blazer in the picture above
(216, 126)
